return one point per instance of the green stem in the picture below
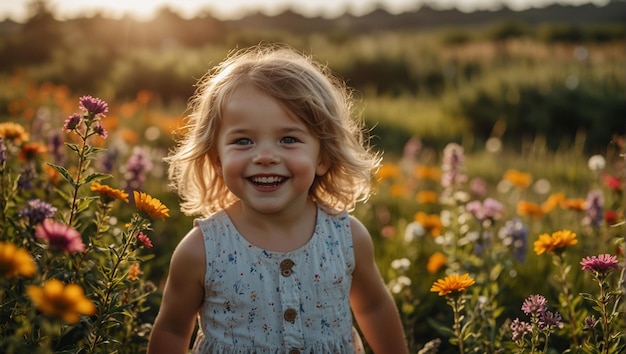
(568, 299)
(456, 307)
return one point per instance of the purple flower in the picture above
(600, 264)
(488, 209)
(590, 322)
(55, 146)
(28, 175)
(514, 234)
(452, 166)
(412, 149)
(72, 122)
(59, 235)
(3, 152)
(93, 106)
(478, 186)
(137, 169)
(37, 211)
(549, 320)
(99, 129)
(534, 304)
(594, 214)
(520, 329)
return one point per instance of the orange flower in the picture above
(15, 261)
(30, 151)
(65, 301)
(519, 179)
(388, 171)
(427, 197)
(149, 206)
(427, 172)
(13, 132)
(108, 193)
(528, 208)
(397, 190)
(452, 283)
(430, 222)
(555, 242)
(552, 202)
(577, 204)
(435, 262)
(134, 272)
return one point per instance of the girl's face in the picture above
(268, 158)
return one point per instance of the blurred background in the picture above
(533, 85)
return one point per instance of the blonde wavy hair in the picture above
(305, 88)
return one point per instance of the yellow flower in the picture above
(555, 242)
(65, 301)
(15, 261)
(109, 193)
(435, 262)
(519, 179)
(427, 197)
(13, 132)
(151, 207)
(430, 222)
(452, 283)
(134, 272)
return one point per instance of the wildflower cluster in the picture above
(486, 242)
(70, 275)
(529, 336)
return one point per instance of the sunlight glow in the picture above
(232, 9)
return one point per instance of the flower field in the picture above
(484, 251)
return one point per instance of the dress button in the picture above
(290, 315)
(294, 351)
(285, 267)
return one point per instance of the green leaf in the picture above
(73, 147)
(64, 172)
(97, 177)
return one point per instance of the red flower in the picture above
(610, 216)
(613, 183)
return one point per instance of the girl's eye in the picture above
(289, 140)
(242, 141)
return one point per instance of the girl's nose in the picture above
(265, 156)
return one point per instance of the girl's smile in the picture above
(268, 157)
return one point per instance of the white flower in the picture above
(401, 264)
(596, 163)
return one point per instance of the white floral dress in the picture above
(257, 301)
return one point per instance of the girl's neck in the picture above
(282, 232)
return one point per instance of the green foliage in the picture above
(70, 274)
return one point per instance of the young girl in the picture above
(272, 160)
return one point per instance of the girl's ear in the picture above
(322, 167)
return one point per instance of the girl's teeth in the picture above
(267, 179)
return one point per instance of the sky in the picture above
(231, 9)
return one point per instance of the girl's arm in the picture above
(182, 297)
(372, 304)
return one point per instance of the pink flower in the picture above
(60, 236)
(600, 264)
(72, 122)
(93, 106)
(144, 239)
